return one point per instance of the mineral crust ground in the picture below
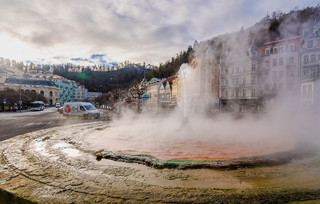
(57, 166)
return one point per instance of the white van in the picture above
(80, 109)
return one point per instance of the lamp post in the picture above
(20, 102)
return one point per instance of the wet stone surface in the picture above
(57, 166)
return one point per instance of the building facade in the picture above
(310, 66)
(239, 88)
(44, 87)
(280, 73)
(66, 87)
(93, 95)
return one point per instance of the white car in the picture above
(80, 109)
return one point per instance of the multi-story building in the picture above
(44, 87)
(310, 66)
(84, 93)
(239, 88)
(66, 89)
(280, 73)
(77, 91)
(93, 95)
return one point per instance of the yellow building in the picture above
(44, 87)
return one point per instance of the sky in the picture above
(112, 31)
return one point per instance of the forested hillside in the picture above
(105, 81)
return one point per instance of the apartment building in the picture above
(239, 88)
(310, 66)
(280, 70)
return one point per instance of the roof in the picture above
(29, 81)
(153, 80)
(170, 78)
(282, 40)
(47, 76)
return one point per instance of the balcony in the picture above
(310, 77)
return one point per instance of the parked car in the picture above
(58, 105)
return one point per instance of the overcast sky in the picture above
(151, 31)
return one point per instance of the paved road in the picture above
(16, 123)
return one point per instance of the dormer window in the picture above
(267, 51)
(291, 47)
(275, 50)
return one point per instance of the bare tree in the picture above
(136, 92)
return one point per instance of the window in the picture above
(253, 79)
(291, 47)
(281, 61)
(280, 85)
(274, 86)
(274, 62)
(51, 93)
(318, 57)
(282, 49)
(274, 75)
(304, 91)
(310, 44)
(280, 74)
(267, 63)
(42, 93)
(267, 87)
(253, 92)
(313, 58)
(306, 59)
(237, 69)
(237, 81)
(226, 70)
(244, 94)
(253, 67)
(275, 50)
(226, 93)
(227, 82)
(309, 95)
(267, 51)
(244, 80)
(290, 61)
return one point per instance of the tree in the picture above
(12, 97)
(136, 92)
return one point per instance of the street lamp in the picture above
(20, 102)
(117, 87)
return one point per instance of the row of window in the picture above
(313, 58)
(237, 93)
(236, 81)
(254, 67)
(280, 61)
(276, 86)
(279, 49)
(307, 90)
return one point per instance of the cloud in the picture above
(150, 31)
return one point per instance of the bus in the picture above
(37, 105)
